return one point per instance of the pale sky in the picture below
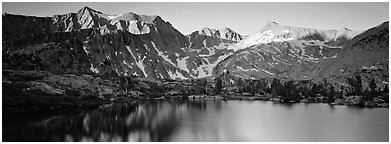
(244, 18)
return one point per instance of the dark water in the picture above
(202, 121)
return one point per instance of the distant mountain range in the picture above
(91, 42)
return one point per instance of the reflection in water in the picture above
(201, 121)
(149, 121)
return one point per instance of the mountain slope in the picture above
(206, 46)
(272, 53)
(90, 41)
(367, 54)
(84, 42)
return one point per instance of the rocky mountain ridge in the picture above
(129, 44)
(91, 42)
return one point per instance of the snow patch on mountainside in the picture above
(93, 69)
(267, 72)
(242, 69)
(85, 50)
(162, 55)
(125, 63)
(206, 70)
(335, 56)
(139, 63)
(113, 16)
(259, 38)
(182, 64)
(176, 75)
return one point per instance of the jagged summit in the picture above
(208, 32)
(87, 18)
(133, 16)
(86, 8)
(223, 33)
(216, 30)
(122, 16)
(225, 29)
(207, 29)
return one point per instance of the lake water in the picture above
(202, 121)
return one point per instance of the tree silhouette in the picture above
(316, 89)
(372, 86)
(385, 93)
(240, 85)
(200, 87)
(260, 86)
(123, 83)
(276, 87)
(385, 90)
(219, 85)
(331, 94)
(355, 84)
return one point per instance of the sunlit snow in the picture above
(93, 69)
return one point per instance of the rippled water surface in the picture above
(202, 121)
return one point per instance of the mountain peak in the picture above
(86, 8)
(223, 33)
(207, 29)
(129, 16)
(151, 19)
(271, 23)
(225, 28)
(213, 30)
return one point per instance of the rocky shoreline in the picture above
(25, 91)
(347, 101)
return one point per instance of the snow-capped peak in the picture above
(226, 29)
(208, 31)
(112, 16)
(274, 32)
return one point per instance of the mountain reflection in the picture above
(147, 121)
(197, 120)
